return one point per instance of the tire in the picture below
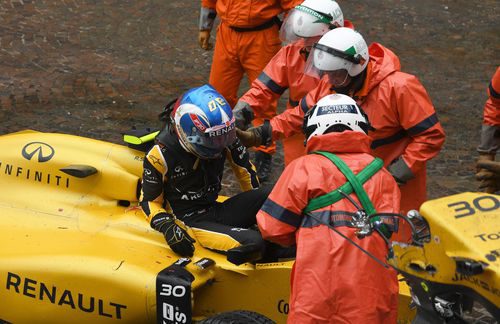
(237, 317)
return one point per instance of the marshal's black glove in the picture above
(400, 171)
(243, 115)
(176, 236)
(488, 174)
(256, 136)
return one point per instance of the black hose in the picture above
(414, 230)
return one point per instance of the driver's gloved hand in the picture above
(256, 136)
(176, 236)
(243, 115)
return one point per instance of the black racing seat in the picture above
(245, 253)
(253, 253)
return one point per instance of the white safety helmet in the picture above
(311, 20)
(342, 50)
(334, 113)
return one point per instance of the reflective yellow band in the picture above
(139, 140)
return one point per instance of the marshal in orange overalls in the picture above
(332, 280)
(284, 71)
(400, 110)
(247, 38)
(490, 135)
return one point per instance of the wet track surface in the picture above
(96, 68)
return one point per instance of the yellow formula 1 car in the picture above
(455, 258)
(75, 247)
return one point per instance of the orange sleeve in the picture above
(270, 84)
(348, 24)
(289, 4)
(385, 194)
(491, 111)
(418, 117)
(281, 214)
(208, 3)
(290, 121)
(489, 142)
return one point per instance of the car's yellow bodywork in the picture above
(76, 248)
(463, 249)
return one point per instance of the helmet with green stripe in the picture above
(310, 20)
(340, 53)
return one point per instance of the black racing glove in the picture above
(177, 238)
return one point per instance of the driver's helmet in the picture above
(310, 20)
(204, 122)
(341, 50)
(334, 113)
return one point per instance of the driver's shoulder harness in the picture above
(354, 184)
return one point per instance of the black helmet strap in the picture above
(356, 59)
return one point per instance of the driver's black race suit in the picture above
(176, 181)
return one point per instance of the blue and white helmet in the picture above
(204, 122)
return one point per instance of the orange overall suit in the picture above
(407, 130)
(332, 281)
(247, 38)
(284, 71)
(490, 135)
(492, 106)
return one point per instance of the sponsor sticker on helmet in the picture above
(321, 18)
(220, 130)
(197, 122)
(337, 109)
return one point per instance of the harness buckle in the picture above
(361, 221)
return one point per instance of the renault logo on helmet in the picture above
(44, 152)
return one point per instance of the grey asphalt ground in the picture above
(95, 68)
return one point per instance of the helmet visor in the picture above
(209, 143)
(311, 69)
(303, 23)
(337, 78)
(324, 60)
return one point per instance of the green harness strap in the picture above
(354, 184)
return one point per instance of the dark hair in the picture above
(166, 115)
(337, 128)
